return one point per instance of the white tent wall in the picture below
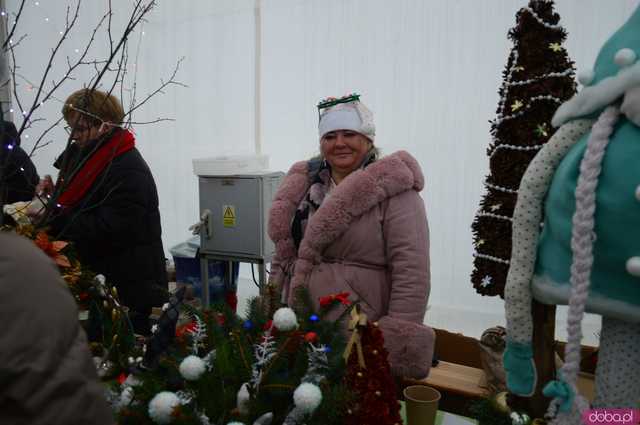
(430, 71)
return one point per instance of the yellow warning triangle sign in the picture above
(229, 213)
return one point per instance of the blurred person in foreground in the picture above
(46, 370)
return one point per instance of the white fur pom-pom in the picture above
(243, 399)
(633, 266)
(307, 397)
(125, 397)
(161, 407)
(519, 418)
(284, 319)
(585, 77)
(192, 367)
(131, 381)
(624, 57)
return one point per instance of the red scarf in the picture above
(121, 142)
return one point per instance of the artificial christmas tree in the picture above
(224, 369)
(369, 376)
(538, 77)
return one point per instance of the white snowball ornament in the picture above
(307, 397)
(192, 367)
(284, 319)
(624, 57)
(519, 418)
(243, 399)
(125, 397)
(131, 381)
(585, 77)
(161, 407)
(633, 266)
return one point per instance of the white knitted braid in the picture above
(582, 238)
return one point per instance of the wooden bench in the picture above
(459, 376)
(464, 380)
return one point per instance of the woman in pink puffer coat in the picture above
(353, 223)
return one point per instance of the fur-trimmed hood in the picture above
(358, 193)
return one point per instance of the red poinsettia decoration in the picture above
(52, 249)
(342, 297)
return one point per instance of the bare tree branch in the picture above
(139, 11)
(163, 85)
(36, 103)
(40, 147)
(157, 120)
(51, 127)
(54, 51)
(15, 24)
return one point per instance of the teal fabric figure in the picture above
(584, 187)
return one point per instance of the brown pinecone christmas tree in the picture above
(539, 76)
(373, 385)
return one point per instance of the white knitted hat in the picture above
(346, 113)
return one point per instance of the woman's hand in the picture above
(36, 208)
(45, 187)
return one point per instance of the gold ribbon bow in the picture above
(358, 320)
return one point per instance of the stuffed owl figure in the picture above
(584, 187)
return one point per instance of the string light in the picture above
(77, 50)
(37, 3)
(46, 19)
(26, 136)
(11, 110)
(10, 147)
(3, 13)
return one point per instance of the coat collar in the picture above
(361, 191)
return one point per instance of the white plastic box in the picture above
(230, 165)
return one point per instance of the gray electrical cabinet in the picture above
(235, 211)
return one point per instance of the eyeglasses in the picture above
(77, 129)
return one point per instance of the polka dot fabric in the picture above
(618, 372)
(527, 217)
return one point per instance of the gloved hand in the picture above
(520, 368)
(561, 391)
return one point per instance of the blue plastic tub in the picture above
(187, 263)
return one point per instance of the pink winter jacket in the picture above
(370, 238)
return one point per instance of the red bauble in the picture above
(311, 337)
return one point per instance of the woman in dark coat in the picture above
(107, 204)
